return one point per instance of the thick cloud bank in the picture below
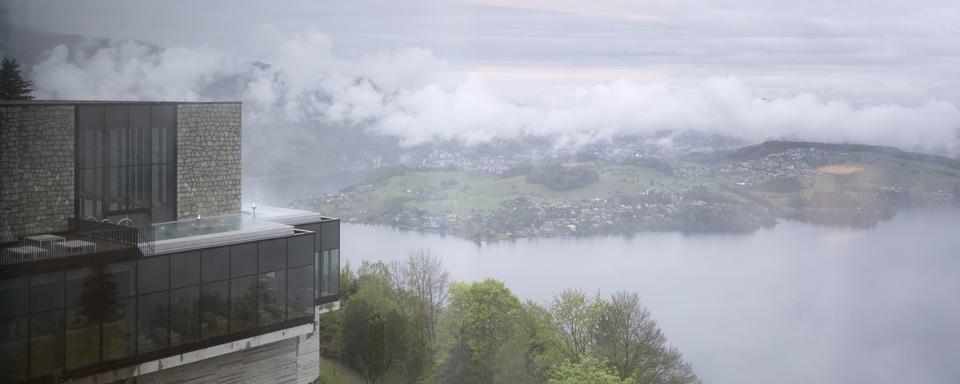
(411, 94)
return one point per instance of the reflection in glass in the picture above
(82, 338)
(243, 303)
(215, 264)
(214, 309)
(184, 315)
(153, 318)
(184, 269)
(271, 298)
(46, 292)
(13, 297)
(118, 330)
(300, 292)
(13, 349)
(46, 341)
(154, 274)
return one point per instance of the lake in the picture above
(793, 304)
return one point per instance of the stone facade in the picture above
(208, 159)
(36, 168)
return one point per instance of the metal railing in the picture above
(81, 237)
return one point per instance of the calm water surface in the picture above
(792, 304)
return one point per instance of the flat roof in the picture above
(85, 102)
(269, 222)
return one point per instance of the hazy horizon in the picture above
(475, 71)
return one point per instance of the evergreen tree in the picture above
(12, 86)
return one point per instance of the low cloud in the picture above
(417, 97)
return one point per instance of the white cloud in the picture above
(411, 94)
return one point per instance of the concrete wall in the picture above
(208, 159)
(36, 168)
(288, 356)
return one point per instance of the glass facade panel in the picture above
(122, 277)
(300, 250)
(13, 349)
(119, 327)
(214, 309)
(46, 343)
(272, 255)
(82, 337)
(13, 297)
(243, 259)
(330, 273)
(184, 269)
(46, 292)
(300, 292)
(57, 323)
(184, 315)
(271, 303)
(154, 274)
(243, 303)
(153, 321)
(215, 264)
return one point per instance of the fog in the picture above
(412, 94)
(792, 304)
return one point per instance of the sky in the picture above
(879, 72)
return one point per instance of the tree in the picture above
(587, 370)
(577, 317)
(12, 86)
(631, 341)
(420, 284)
(373, 329)
(479, 335)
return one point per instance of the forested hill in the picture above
(756, 152)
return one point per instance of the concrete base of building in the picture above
(288, 356)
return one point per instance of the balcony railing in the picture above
(82, 237)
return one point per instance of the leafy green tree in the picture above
(12, 85)
(373, 329)
(577, 316)
(589, 370)
(631, 341)
(479, 335)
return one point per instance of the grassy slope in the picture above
(453, 192)
(332, 372)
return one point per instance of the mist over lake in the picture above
(793, 304)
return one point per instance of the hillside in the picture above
(753, 187)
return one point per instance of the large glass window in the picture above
(13, 349)
(154, 274)
(272, 255)
(55, 323)
(243, 303)
(300, 292)
(122, 277)
(153, 320)
(46, 343)
(214, 309)
(82, 338)
(184, 269)
(46, 292)
(271, 303)
(125, 160)
(184, 315)
(119, 327)
(300, 250)
(329, 268)
(243, 259)
(13, 297)
(215, 264)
